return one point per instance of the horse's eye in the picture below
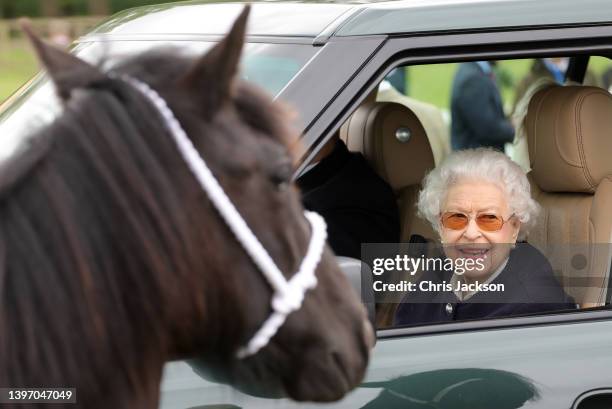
(281, 174)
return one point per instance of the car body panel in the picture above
(488, 368)
(298, 20)
(327, 19)
(544, 356)
(416, 16)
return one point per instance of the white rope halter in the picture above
(288, 295)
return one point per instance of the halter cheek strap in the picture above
(288, 295)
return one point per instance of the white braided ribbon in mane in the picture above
(288, 295)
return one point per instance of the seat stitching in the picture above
(581, 153)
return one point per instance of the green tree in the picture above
(50, 8)
(54, 8)
(14, 8)
(118, 5)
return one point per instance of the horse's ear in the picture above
(212, 76)
(67, 71)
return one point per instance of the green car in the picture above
(328, 60)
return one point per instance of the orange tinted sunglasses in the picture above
(485, 221)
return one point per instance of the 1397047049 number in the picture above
(37, 395)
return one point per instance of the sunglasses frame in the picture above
(475, 218)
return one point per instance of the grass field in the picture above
(17, 65)
(432, 83)
(429, 83)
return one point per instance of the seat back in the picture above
(569, 136)
(432, 118)
(395, 144)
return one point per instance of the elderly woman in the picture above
(479, 202)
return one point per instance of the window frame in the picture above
(452, 48)
(446, 48)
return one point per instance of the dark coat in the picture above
(358, 205)
(477, 111)
(530, 287)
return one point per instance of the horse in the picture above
(115, 260)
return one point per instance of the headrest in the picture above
(392, 139)
(569, 134)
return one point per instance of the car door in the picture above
(510, 363)
(546, 361)
(540, 361)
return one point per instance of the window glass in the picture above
(271, 66)
(475, 104)
(441, 92)
(599, 73)
(432, 83)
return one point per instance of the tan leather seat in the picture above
(569, 134)
(395, 144)
(432, 118)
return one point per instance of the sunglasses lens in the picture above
(489, 222)
(458, 221)
(454, 221)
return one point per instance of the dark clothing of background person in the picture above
(477, 114)
(530, 287)
(357, 205)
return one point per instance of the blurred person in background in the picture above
(59, 33)
(357, 204)
(518, 150)
(553, 69)
(477, 113)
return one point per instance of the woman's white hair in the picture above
(483, 164)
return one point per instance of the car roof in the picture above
(353, 18)
(205, 18)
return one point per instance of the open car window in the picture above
(560, 266)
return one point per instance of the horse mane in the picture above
(97, 239)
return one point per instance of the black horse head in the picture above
(113, 259)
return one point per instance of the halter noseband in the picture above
(288, 295)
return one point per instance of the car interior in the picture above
(568, 131)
